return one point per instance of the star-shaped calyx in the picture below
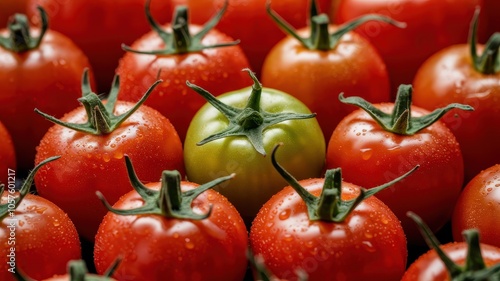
(250, 121)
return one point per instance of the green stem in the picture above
(101, 119)
(250, 121)
(489, 61)
(19, 39)
(400, 120)
(330, 206)
(169, 201)
(320, 38)
(180, 40)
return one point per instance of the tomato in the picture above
(261, 271)
(172, 228)
(470, 260)
(10, 7)
(362, 146)
(226, 136)
(454, 75)
(35, 234)
(92, 160)
(331, 229)
(45, 76)
(260, 33)
(7, 154)
(478, 207)
(331, 61)
(431, 26)
(218, 69)
(100, 27)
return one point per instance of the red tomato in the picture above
(370, 154)
(165, 241)
(470, 260)
(36, 236)
(7, 154)
(348, 64)
(367, 244)
(10, 7)
(99, 27)
(77, 270)
(216, 69)
(47, 77)
(92, 162)
(452, 75)
(479, 207)
(247, 20)
(431, 26)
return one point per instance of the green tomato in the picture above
(256, 180)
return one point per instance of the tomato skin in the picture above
(354, 67)
(217, 70)
(7, 155)
(41, 78)
(478, 207)
(429, 267)
(431, 26)
(99, 27)
(492, 22)
(256, 180)
(155, 247)
(260, 33)
(40, 254)
(91, 163)
(362, 147)
(369, 245)
(448, 76)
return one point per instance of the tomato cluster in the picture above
(249, 140)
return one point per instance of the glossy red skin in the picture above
(354, 68)
(154, 247)
(479, 207)
(47, 78)
(431, 26)
(10, 7)
(217, 70)
(429, 267)
(7, 154)
(449, 77)
(368, 245)
(45, 239)
(99, 27)
(260, 33)
(370, 156)
(92, 163)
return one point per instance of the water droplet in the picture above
(189, 245)
(368, 235)
(284, 214)
(106, 157)
(56, 222)
(288, 237)
(113, 145)
(175, 235)
(489, 189)
(21, 222)
(270, 224)
(366, 153)
(118, 155)
(368, 246)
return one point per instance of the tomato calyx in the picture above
(20, 39)
(169, 201)
(78, 271)
(250, 121)
(14, 201)
(100, 117)
(329, 206)
(489, 61)
(320, 37)
(400, 120)
(180, 40)
(474, 268)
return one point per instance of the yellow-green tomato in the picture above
(256, 180)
